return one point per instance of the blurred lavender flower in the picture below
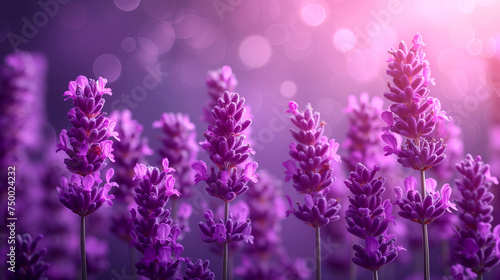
(28, 259)
(21, 88)
(365, 129)
(414, 115)
(452, 137)
(180, 147)
(227, 149)
(153, 233)
(314, 154)
(197, 271)
(218, 82)
(255, 268)
(132, 149)
(368, 218)
(477, 244)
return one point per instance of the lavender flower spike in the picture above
(218, 82)
(153, 233)
(477, 244)
(368, 218)
(221, 232)
(28, 260)
(227, 149)
(313, 153)
(86, 143)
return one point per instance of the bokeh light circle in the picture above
(454, 85)
(158, 9)
(128, 44)
(277, 34)
(475, 46)
(344, 40)
(313, 14)
(73, 15)
(158, 32)
(288, 89)
(466, 6)
(489, 47)
(127, 5)
(255, 51)
(107, 66)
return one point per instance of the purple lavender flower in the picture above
(28, 259)
(86, 143)
(197, 271)
(368, 218)
(314, 154)
(414, 115)
(218, 82)
(84, 195)
(153, 233)
(477, 244)
(227, 149)
(255, 268)
(423, 210)
(221, 232)
(180, 147)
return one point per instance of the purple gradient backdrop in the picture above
(157, 54)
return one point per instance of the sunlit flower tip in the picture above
(445, 196)
(393, 142)
(140, 171)
(166, 169)
(291, 169)
(88, 182)
(410, 183)
(332, 152)
(249, 172)
(170, 189)
(292, 108)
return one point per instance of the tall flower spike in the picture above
(180, 147)
(477, 244)
(311, 172)
(368, 218)
(153, 233)
(218, 82)
(227, 149)
(86, 143)
(28, 263)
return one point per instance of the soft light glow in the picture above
(108, 66)
(277, 34)
(255, 51)
(427, 8)
(489, 47)
(288, 89)
(313, 14)
(466, 6)
(127, 5)
(474, 46)
(128, 44)
(158, 32)
(344, 40)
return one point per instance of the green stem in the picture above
(425, 235)
(226, 247)
(318, 254)
(82, 249)
(131, 255)
(375, 275)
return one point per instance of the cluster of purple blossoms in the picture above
(153, 233)
(314, 154)
(414, 114)
(227, 149)
(197, 271)
(236, 228)
(423, 210)
(369, 218)
(28, 263)
(87, 147)
(478, 247)
(180, 147)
